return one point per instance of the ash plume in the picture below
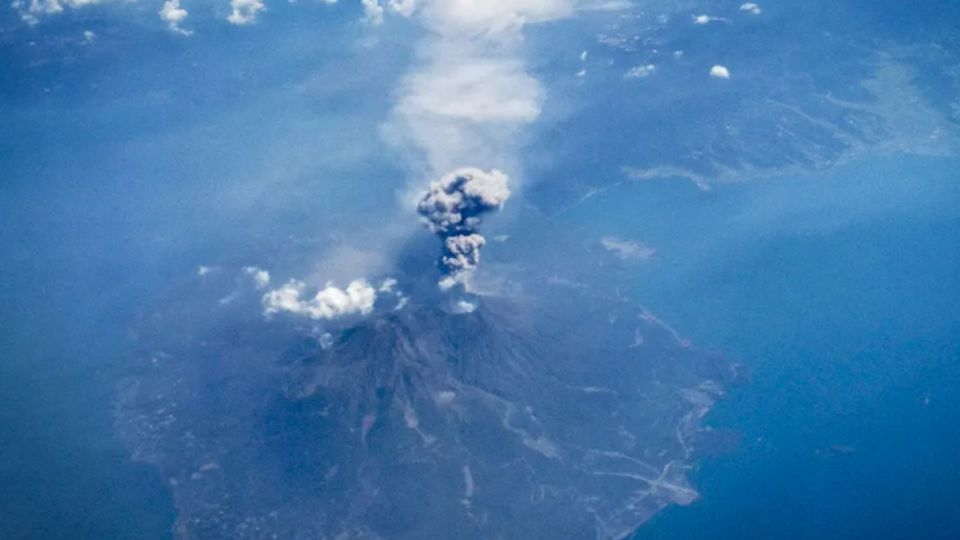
(453, 207)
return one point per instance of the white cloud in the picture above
(470, 94)
(387, 285)
(32, 10)
(751, 8)
(328, 303)
(605, 5)
(89, 36)
(244, 11)
(720, 72)
(479, 91)
(204, 270)
(628, 250)
(464, 107)
(372, 11)
(402, 7)
(493, 16)
(325, 340)
(640, 72)
(462, 306)
(173, 14)
(261, 277)
(706, 19)
(448, 282)
(444, 397)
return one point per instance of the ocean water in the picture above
(76, 268)
(63, 473)
(839, 291)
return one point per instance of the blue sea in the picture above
(63, 473)
(844, 303)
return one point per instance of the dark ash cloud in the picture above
(453, 207)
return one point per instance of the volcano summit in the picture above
(551, 411)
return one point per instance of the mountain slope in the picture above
(565, 418)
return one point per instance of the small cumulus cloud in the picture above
(583, 58)
(605, 5)
(325, 340)
(204, 270)
(720, 72)
(173, 15)
(229, 299)
(751, 8)
(404, 8)
(463, 306)
(628, 250)
(31, 11)
(706, 19)
(89, 36)
(261, 277)
(444, 397)
(387, 285)
(640, 72)
(372, 11)
(244, 11)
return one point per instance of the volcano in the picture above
(553, 417)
